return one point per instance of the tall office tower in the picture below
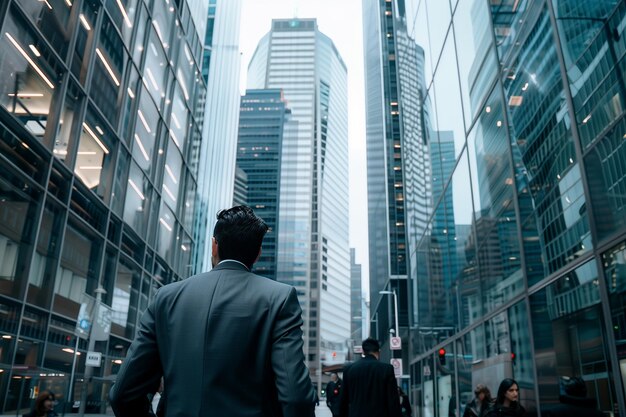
(262, 119)
(97, 124)
(535, 95)
(356, 300)
(313, 216)
(220, 70)
(240, 192)
(398, 173)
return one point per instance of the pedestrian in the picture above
(573, 400)
(405, 405)
(369, 386)
(227, 342)
(44, 405)
(333, 394)
(507, 402)
(480, 403)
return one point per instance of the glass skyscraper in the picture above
(98, 179)
(525, 126)
(313, 251)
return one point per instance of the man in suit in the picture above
(333, 394)
(227, 342)
(369, 386)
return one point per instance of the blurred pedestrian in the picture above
(480, 403)
(369, 386)
(573, 400)
(333, 394)
(405, 405)
(507, 402)
(44, 406)
(227, 342)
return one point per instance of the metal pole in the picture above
(92, 344)
(395, 304)
(70, 397)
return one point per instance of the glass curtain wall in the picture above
(520, 270)
(95, 181)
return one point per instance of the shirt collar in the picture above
(233, 260)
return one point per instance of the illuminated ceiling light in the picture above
(30, 61)
(82, 152)
(137, 190)
(525, 87)
(170, 173)
(108, 67)
(174, 138)
(499, 123)
(571, 161)
(84, 22)
(488, 109)
(184, 248)
(152, 79)
(179, 77)
(126, 19)
(586, 119)
(6, 336)
(68, 2)
(168, 192)
(117, 361)
(47, 4)
(164, 223)
(93, 135)
(90, 167)
(99, 130)
(187, 53)
(175, 119)
(143, 121)
(141, 147)
(63, 152)
(130, 92)
(158, 31)
(26, 95)
(515, 101)
(35, 50)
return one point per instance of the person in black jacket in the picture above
(480, 403)
(507, 402)
(44, 406)
(573, 401)
(369, 386)
(333, 394)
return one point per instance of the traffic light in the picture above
(513, 357)
(442, 356)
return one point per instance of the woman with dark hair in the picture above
(507, 402)
(43, 406)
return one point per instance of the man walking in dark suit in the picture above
(369, 386)
(227, 342)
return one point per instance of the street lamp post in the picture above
(395, 308)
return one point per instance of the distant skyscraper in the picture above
(217, 155)
(313, 251)
(398, 174)
(240, 192)
(263, 115)
(356, 299)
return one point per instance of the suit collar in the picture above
(231, 264)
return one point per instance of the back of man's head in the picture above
(370, 346)
(239, 234)
(573, 386)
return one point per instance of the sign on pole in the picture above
(85, 316)
(358, 349)
(93, 359)
(395, 343)
(102, 323)
(397, 367)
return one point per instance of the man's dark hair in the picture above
(239, 234)
(370, 346)
(573, 386)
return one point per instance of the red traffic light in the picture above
(442, 352)
(512, 356)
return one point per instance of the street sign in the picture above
(426, 370)
(102, 323)
(93, 359)
(395, 343)
(358, 349)
(85, 316)
(397, 367)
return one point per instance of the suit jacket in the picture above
(332, 399)
(369, 390)
(227, 342)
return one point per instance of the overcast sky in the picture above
(341, 21)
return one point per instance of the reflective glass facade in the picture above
(97, 181)
(313, 251)
(519, 270)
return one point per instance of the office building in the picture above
(262, 119)
(534, 95)
(313, 251)
(97, 127)
(356, 300)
